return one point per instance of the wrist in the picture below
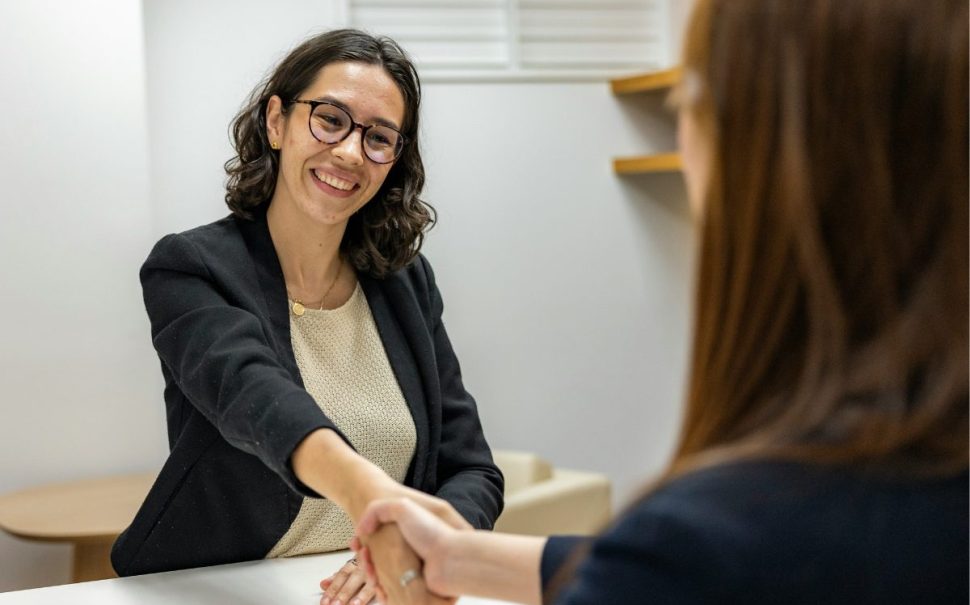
(327, 464)
(453, 552)
(492, 565)
(365, 483)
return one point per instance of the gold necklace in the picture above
(299, 308)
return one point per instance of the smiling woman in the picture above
(327, 181)
(307, 369)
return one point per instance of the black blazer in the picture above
(237, 408)
(779, 533)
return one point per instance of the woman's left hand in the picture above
(349, 586)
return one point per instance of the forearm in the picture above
(494, 565)
(325, 463)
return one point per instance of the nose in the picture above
(350, 150)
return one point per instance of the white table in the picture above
(293, 581)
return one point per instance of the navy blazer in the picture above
(778, 533)
(237, 407)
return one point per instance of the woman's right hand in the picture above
(425, 533)
(348, 587)
(391, 561)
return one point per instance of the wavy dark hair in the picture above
(387, 233)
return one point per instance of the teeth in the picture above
(334, 181)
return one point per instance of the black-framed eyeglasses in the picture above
(331, 124)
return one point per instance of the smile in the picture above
(336, 183)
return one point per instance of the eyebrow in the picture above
(341, 105)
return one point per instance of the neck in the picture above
(309, 254)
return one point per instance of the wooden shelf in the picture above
(643, 164)
(657, 80)
(657, 162)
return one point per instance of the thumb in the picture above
(377, 513)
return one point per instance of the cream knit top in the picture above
(345, 368)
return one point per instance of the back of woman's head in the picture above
(831, 312)
(388, 231)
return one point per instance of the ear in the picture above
(275, 120)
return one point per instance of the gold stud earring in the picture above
(274, 145)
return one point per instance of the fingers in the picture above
(437, 506)
(417, 523)
(392, 558)
(442, 509)
(377, 513)
(364, 593)
(348, 586)
(367, 562)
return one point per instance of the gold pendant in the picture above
(298, 309)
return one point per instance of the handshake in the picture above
(401, 548)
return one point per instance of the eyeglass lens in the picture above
(331, 124)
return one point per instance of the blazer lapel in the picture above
(400, 355)
(405, 368)
(272, 287)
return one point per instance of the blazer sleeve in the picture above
(653, 554)
(219, 356)
(467, 477)
(557, 552)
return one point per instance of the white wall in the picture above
(566, 288)
(80, 387)
(203, 59)
(679, 13)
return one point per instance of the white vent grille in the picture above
(529, 39)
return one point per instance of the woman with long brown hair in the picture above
(824, 452)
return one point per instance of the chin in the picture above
(329, 216)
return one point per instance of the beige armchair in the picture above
(541, 500)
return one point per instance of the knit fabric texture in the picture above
(346, 370)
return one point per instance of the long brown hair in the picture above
(831, 322)
(831, 302)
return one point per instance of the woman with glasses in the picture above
(307, 370)
(824, 452)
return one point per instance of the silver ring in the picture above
(353, 562)
(408, 576)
